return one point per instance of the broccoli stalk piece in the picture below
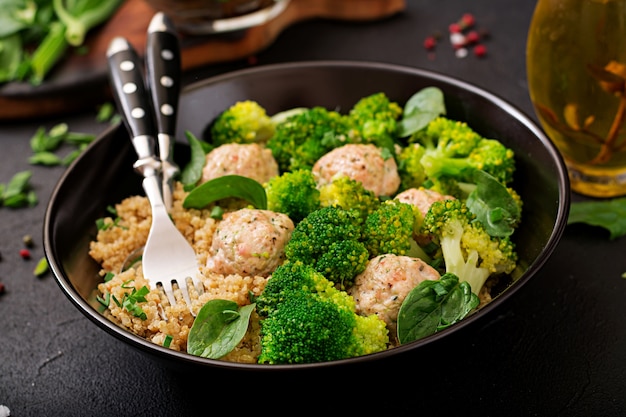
(468, 250)
(243, 122)
(306, 319)
(293, 193)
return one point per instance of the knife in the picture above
(163, 75)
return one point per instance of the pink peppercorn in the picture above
(429, 43)
(472, 37)
(480, 50)
(25, 253)
(2, 288)
(454, 28)
(467, 20)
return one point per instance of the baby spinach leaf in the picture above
(420, 109)
(192, 172)
(227, 186)
(218, 328)
(433, 306)
(608, 214)
(493, 205)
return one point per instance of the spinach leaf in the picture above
(192, 172)
(433, 306)
(218, 328)
(493, 205)
(420, 109)
(609, 214)
(227, 186)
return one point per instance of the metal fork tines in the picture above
(167, 256)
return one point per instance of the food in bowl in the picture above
(380, 226)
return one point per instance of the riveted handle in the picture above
(130, 94)
(163, 72)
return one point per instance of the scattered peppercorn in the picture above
(28, 241)
(462, 36)
(430, 43)
(25, 253)
(2, 288)
(480, 51)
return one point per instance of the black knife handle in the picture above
(129, 91)
(163, 72)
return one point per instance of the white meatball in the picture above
(250, 160)
(384, 284)
(249, 242)
(421, 198)
(364, 163)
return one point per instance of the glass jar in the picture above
(576, 68)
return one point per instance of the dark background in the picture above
(558, 348)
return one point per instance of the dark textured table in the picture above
(558, 348)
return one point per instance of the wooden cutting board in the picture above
(80, 81)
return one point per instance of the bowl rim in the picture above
(165, 353)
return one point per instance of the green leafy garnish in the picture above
(493, 205)
(227, 186)
(218, 328)
(41, 268)
(167, 341)
(131, 300)
(608, 214)
(192, 172)
(421, 108)
(433, 306)
(18, 192)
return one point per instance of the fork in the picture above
(167, 255)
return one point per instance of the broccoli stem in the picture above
(466, 270)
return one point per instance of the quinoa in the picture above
(126, 234)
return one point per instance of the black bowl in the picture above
(103, 175)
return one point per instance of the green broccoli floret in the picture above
(305, 136)
(293, 193)
(468, 250)
(454, 151)
(410, 168)
(349, 194)
(243, 122)
(293, 276)
(390, 228)
(375, 120)
(319, 240)
(343, 261)
(306, 319)
(305, 329)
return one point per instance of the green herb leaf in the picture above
(493, 205)
(420, 109)
(218, 328)
(44, 158)
(227, 186)
(433, 306)
(608, 214)
(192, 172)
(41, 268)
(17, 192)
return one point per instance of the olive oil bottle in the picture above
(576, 70)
